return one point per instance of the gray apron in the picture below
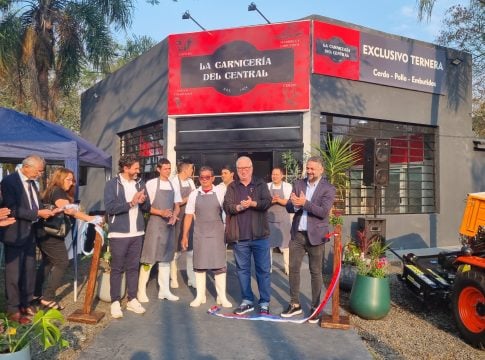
(279, 222)
(179, 225)
(159, 244)
(209, 246)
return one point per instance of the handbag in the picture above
(58, 225)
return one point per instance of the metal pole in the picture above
(74, 250)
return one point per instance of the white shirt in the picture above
(164, 185)
(129, 187)
(310, 190)
(190, 208)
(26, 185)
(187, 182)
(286, 188)
(223, 189)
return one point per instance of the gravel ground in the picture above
(412, 330)
(409, 331)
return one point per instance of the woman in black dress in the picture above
(59, 194)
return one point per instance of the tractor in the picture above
(458, 277)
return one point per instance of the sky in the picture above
(398, 17)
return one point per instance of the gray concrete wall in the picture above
(459, 168)
(131, 97)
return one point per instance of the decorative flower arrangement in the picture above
(374, 264)
(368, 255)
(336, 218)
(14, 336)
(351, 253)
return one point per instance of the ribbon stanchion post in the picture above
(86, 315)
(336, 320)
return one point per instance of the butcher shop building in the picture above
(268, 90)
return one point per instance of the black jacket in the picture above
(259, 217)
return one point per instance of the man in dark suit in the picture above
(21, 196)
(311, 200)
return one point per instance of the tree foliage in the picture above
(464, 29)
(45, 44)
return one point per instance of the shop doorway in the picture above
(262, 163)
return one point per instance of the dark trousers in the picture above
(19, 275)
(53, 267)
(125, 257)
(298, 247)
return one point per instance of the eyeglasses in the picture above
(244, 167)
(205, 177)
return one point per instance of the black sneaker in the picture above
(293, 309)
(315, 319)
(243, 309)
(264, 310)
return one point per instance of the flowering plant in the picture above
(351, 253)
(14, 336)
(374, 263)
(368, 254)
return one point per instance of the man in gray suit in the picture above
(311, 200)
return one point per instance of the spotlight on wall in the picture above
(186, 15)
(253, 7)
(456, 61)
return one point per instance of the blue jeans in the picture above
(260, 250)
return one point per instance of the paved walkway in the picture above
(173, 330)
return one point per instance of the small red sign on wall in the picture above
(252, 69)
(335, 51)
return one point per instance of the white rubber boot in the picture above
(220, 280)
(174, 283)
(286, 260)
(191, 280)
(163, 281)
(142, 283)
(200, 282)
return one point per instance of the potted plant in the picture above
(15, 338)
(350, 256)
(338, 157)
(370, 297)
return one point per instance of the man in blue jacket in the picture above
(311, 200)
(125, 200)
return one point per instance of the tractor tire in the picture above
(468, 304)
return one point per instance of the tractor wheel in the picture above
(468, 303)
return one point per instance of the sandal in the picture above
(47, 305)
(36, 300)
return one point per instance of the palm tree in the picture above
(46, 43)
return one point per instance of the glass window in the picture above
(146, 143)
(412, 165)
